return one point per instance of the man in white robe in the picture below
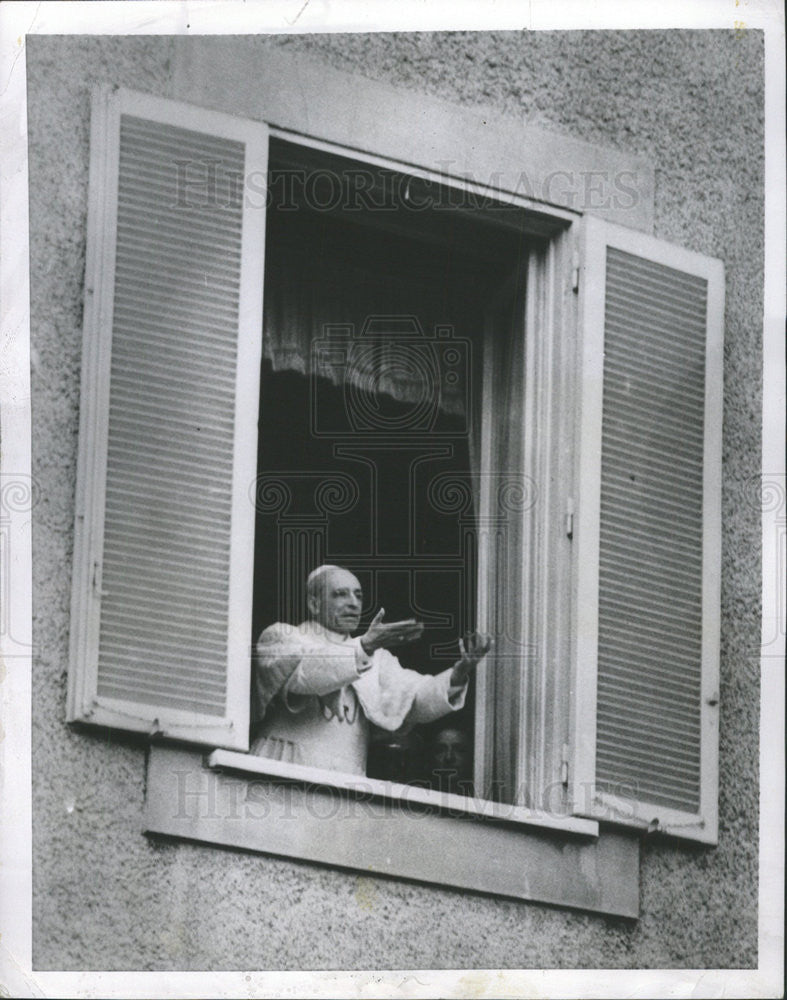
(317, 689)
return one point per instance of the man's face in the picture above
(450, 751)
(337, 604)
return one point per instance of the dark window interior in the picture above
(414, 556)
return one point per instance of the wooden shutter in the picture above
(647, 538)
(162, 585)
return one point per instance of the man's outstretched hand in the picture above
(472, 648)
(384, 635)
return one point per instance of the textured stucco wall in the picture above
(107, 898)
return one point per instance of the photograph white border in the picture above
(299, 16)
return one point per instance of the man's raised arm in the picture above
(308, 666)
(387, 635)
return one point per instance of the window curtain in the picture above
(358, 309)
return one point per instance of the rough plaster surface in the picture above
(105, 897)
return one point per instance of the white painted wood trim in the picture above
(392, 790)
(187, 115)
(651, 818)
(94, 404)
(484, 736)
(711, 552)
(604, 234)
(543, 334)
(585, 569)
(535, 382)
(557, 680)
(543, 219)
(175, 724)
(244, 471)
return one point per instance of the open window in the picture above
(425, 396)
(386, 297)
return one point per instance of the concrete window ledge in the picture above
(410, 795)
(235, 800)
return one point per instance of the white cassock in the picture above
(317, 692)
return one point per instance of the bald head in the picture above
(334, 598)
(316, 579)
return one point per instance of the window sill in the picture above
(409, 795)
(326, 822)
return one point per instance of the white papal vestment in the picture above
(317, 692)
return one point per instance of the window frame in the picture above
(549, 306)
(548, 330)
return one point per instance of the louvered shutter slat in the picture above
(139, 491)
(648, 535)
(641, 379)
(166, 621)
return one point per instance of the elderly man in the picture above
(317, 690)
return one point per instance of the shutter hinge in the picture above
(575, 272)
(564, 765)
(570, 517)
(97, 589)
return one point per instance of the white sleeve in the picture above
(326, 668)
(435, 697)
